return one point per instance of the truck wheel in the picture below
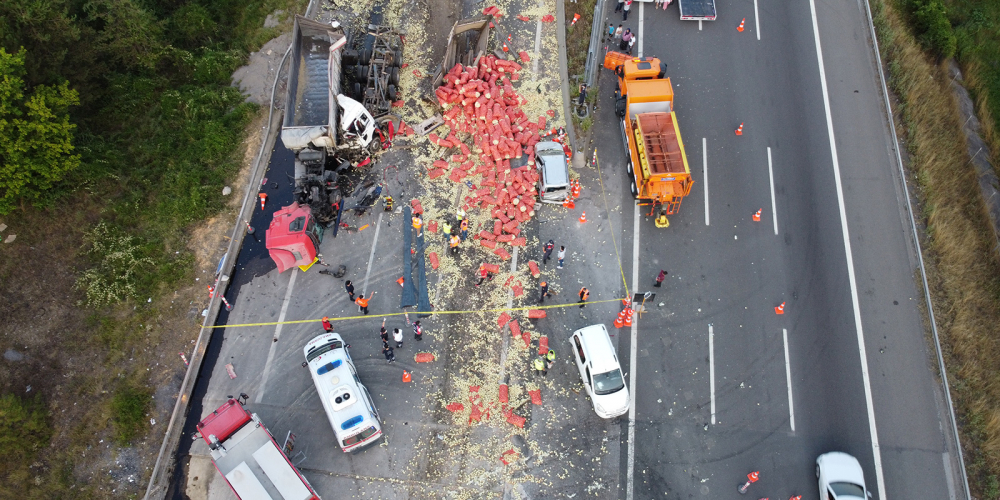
(397, 58)
(635, 191)
(620, 107)
(390, 93)
(394, 76)
(362, 73)
(356, 91)
(366, 56)
(630, 168)
(349, 56)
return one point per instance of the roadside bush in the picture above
(24, 432)
(119, 260)
(934, 29)
(128, 413)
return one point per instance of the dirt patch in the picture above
(256, 78)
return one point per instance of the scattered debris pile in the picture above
(480, 103)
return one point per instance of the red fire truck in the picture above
(245, 453)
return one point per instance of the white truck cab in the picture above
(599, 368)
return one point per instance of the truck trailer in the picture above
(247, 456)
(656, 161)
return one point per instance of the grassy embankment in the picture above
(915, 36)
(159, 130)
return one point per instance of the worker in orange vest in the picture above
(417, 223)
(584, 295)
(454, 241)
(362, 302)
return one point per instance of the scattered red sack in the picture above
(548, 18)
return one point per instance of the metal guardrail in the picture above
(920, 257)
(596, 29)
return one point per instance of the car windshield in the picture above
(847, 490)
(608, 383)
(323, 349)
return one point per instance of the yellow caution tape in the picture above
(604, 195)
(374, 316)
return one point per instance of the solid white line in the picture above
(774, 206)
(642, 24)
(277, 334)
(630, 476)
(371, 256)
(788, 379)
(538, 43)
(876, 452)
(756, 19)
(711, 368)
(704, 173)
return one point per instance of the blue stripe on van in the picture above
(352, 422)
(327, 367)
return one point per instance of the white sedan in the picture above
(840, 477)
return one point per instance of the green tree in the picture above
(36, 136)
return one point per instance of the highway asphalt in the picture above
(727, 273)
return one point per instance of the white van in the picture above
(348, 404)
(602, 375)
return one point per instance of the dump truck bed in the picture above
(693, 10)
(660, 143)
(313, 81)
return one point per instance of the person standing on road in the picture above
(561, 256)
(383, 333)
(610, 31)
(550, 359)
(362, 302)
(417, 224)
(618, 31)
(389, 355)
(626, 36)
(625, 9)
(454, 241)
(397, 335)
(543, 292)
(463, 226)
(540, 367)
(548, 251)
(660, 277)
(418, 331)
(350, 289)
(446, 229)
(484, 274)
(621, 3)
(631, 42)
(584, 295)
(326, 324)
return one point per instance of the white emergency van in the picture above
(348, 405)
(602, 375)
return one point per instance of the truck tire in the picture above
(390, 92)
(356, 91)
(394, 76)
(620, 107)
(630, 171)
(397, 58)
(361, 74)
(366, 56)
(349, 57)
(635, 191)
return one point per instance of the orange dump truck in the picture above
(644, 101)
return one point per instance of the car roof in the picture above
(554, 176)
(840, 467)
(599, 348)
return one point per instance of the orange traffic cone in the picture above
(510, 39)
(569, 203)
(407, 377)
(583, 217)
(739, 131)
(505, 48)
(263, 198)
(400, 281)
(740, 27)
(780, 309)
(620, 320)
(576, 17)
(756, 216)
(796, 497)
(628, 317)
(211, 291)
